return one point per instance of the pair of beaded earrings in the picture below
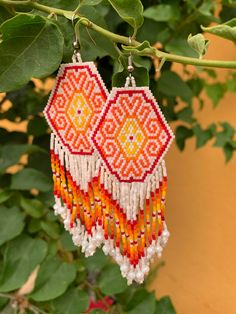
(109, 174)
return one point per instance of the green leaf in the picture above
(137, 296)
(67, 242)
(51, 228)
(215, 92)
(3, 303)
(37, 126)
(61, 4)
(140, 72)
(31, 46)
(92, 43)
(21, 256)
(211, 73)
(11, 223)
(143, 304)
(90, 2)
(231, 86)
(196, 84)
(53, 279)
(28, 179)
(142, 50)
(32, 207)
(228, 151)
(186, 115)
(11, 153)
(172, 85)
(12, 137)
(225, 136)
(180, 47)
(41, 161)
(228, 11)
(202, 136)
(142, 301)
(4, 196)
(111, 282)
(25, 101)
(161, 33)
(206, 12)
(198, 43)
(130, 11)
(182, 133)
(34, 226)
(226, 30)
(96, 262)
(162, 13)
(47, 198)
(4, 14)
(165, 306)
(74, 301)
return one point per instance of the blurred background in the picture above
(198, 275)
(200, 257)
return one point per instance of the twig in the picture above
(151, 52)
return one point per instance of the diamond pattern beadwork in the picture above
(109, 175)
(75, 105)
(132, 136)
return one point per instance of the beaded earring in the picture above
(74, 106)
(107, 162)
(131, 138)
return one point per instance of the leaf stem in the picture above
(153, 52)
(10, 2)
(15, 297)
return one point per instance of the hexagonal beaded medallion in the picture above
(132, 135)
(75, 105)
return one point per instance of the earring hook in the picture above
(130, 67)
(130, 79)
(75, 43)
(76, 55)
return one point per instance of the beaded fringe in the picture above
(127, 219)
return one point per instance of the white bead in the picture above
(139, 277)
(113, 252)
(124, 268)
(166, 234)
(76, 239)
(150, 251)
(146, 269)
(84, 244)
(98, 238)
(159, 250)
(67, 224)
(55, 207)
(106, 249)
(131, 275)
(118, 258)
(91, 248)
(60, 210)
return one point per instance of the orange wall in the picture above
(200, 271)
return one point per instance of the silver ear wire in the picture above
(130, 80)
(130, 67)
(76, 55)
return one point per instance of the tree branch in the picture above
(153, 52)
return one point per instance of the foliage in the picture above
(33, 45)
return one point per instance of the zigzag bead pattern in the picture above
(109, 174)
